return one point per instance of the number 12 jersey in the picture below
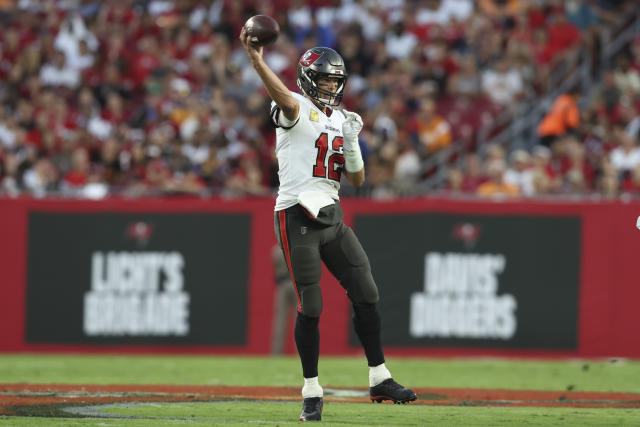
(309, 151)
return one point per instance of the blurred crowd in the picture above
(155, 97)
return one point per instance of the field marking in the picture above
(94, 411)
(17, 399)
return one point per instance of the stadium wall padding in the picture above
(187, 275)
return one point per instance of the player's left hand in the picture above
(352, 126)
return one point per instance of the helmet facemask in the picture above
(318, 63)
(326, 97)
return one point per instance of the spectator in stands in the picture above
(76, 178)
(502, 83)
(399, 42)
(495, 152)
(608, 184)
(496, 187)
(626, 77)
(455, 179)
(501, 9)
(135, 82)
(466, 81)
(247, 178)
(579, 174)
(432, 130)
(563, 35)
(407, 166)
(606, 94)
(39, 179)
(626, 156)
(519, 173)
(544, 180)
(473, 176)
(11, 184)
(58, 73)
(631, 185)
(633, 123)
(564, 117)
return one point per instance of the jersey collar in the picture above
(326, 110)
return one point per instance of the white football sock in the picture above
(312, 388)
(377, 374)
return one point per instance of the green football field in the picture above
(31, 383)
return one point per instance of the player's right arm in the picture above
(280, 94)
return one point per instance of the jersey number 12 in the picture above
(334, 166)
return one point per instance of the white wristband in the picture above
(353, 158)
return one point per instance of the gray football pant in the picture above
(306, 244)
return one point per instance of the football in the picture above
(262, 30)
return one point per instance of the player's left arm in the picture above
(355, 178)
(353, 163)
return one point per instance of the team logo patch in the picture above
(303, 230)
(313, 116)
(467, 233)
(139, 231)
(309, 58)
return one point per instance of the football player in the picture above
(315, 144)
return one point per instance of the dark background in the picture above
(541, 272)
(215, 248)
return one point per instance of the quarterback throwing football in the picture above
(315, 144)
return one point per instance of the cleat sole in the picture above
(379, 399)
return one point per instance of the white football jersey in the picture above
(309, 152)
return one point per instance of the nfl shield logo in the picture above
(303, 230)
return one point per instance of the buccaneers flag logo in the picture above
(467, 233)
(309, 58)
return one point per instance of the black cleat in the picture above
(311, 409)
(391, 390)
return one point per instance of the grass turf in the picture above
(279, 413)
(346, 414)
(607, 376)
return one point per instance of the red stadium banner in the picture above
(186, 275)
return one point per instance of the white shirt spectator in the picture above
(80, 62)
(56, 75)
(7, 136)
(523, 179)
(625, 160)
(633, 128)
(300, 17)
(458, 9)
(99, 128)
(351, 11)
(502, 86)
(448, 10)
(197, 154)
(72, 31)
(400, 46)
(426, 16)
(213, 15)
(158, 7)
(407, 167)
(34, 183)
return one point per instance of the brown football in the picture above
(262, 29)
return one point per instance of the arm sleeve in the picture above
(279, 120)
